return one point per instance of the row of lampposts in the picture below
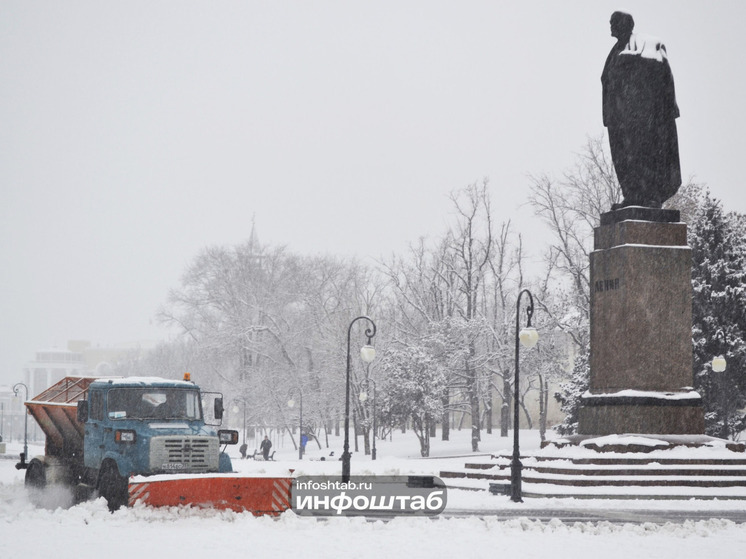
(527, 336)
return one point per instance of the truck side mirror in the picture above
(228, 436)
(82, 411)
(219, 408)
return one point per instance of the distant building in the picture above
(79, 358)
(49, 367)
(9, 407)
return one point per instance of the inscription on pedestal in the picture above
(606, 285)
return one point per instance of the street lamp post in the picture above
(719, 363)
(236, 410)
(363, 398)
(22, 464)
(528, 337)
(367, 354)
(718, 366)
(291, 403)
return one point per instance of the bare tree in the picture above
(272, 324)
(505, 280)
(422, 307)
(472, 244)
(572, 207)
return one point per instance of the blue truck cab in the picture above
(145, 426)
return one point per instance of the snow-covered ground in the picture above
(89, 530)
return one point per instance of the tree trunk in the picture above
(505, 408)
(475, 435)
(471, 388)
(366, 440)
(354, 429)
(525, 412)
(424, 435)
(488, 412)
(445, 432)
(543, 403)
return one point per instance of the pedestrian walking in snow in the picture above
(265, 446)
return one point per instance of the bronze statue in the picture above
(640, 111)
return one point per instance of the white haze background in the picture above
(136, 133)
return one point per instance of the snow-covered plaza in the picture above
(90, 530)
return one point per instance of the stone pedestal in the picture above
(641, 328)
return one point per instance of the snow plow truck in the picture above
(140, 440)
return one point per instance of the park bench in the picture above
(258, 456)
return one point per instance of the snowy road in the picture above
(475, 523)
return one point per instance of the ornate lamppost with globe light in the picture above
(718, 366)
(24, 456)
(527, 337)
(367, 354)
(719, 363)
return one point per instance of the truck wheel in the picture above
(35, 482)
(113, 487)
(35, 477)
(48, 483)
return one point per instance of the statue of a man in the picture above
(640, 111)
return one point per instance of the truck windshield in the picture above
(153, 403)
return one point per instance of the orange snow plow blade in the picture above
(258, 495)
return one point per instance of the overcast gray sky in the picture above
(133, 134)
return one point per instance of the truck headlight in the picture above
(228, 436)
(125, 436)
